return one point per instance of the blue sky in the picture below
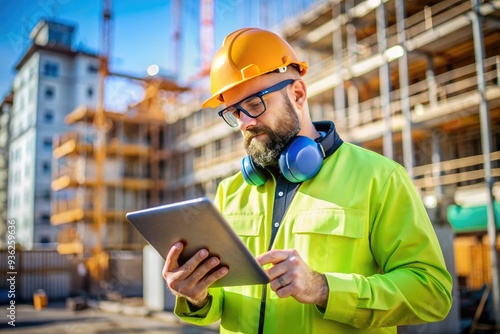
(142, 31)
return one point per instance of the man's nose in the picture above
(244, 121)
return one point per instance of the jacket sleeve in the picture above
(207, 315)
(413, 285)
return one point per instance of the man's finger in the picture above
(273, 256)
(171, 262)
(190, 266)
(207, 281)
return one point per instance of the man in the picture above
(341, 231)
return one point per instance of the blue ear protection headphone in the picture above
(300, 160)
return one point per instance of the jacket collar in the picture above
(331, 140)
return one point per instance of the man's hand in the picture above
(291, 276)
(191, 280)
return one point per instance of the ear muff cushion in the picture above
(252, 174)
(301, 159)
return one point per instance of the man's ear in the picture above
(299, 92)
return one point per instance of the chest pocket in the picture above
(329, 239)
(247, 227)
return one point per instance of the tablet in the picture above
(198, 224)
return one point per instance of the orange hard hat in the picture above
(246, 54)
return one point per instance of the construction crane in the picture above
(207, 40)
(206, 35)
(98, 262)
(177, 5)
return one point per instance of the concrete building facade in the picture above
(5, 114)
(52, 79)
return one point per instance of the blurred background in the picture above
(100, 114)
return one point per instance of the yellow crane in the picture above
(98, 261)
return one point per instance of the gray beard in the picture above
(266, 153)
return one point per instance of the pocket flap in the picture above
(245, 225)
(335, 221)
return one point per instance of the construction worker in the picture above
(341, 231)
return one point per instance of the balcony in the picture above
(75, 210)
(71, 181)
(75, 143)
(86, 114)
(68, 211)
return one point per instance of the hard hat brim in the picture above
(216, 99)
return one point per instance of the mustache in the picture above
(250, 133)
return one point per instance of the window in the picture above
(51, 69)
(236, 136)
(91, 68)
(46, 194)
(46, 167)
(198, 118)
(199, 189)
(198, 152)
(47, 143)
(50, 92)
(44, 240)
(90, 92)
(45, 219)
(28, 147)
(59, 37)
(31, 95)
(48, 116)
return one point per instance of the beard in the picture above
(266, 152)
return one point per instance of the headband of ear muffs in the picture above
(300, 160)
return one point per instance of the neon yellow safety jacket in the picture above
(360, 222)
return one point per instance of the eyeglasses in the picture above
(253, 106)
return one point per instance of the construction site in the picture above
(416, 81)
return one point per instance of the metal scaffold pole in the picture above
(486, 141)
(100, 149)
(385, 83)
(404, 90)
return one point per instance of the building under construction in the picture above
(400, 78)
(408, 79)
(92, 210)
(417, 81)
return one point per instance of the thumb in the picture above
(172, 259)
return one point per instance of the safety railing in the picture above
(64, 205)
(422, 95)
(425, 20)
(456, 172)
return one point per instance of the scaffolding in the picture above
(133, 175)
(416, 81)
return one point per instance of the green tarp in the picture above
(471, 219)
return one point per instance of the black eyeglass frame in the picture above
(237, 106)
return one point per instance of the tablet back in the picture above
(198, 224)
